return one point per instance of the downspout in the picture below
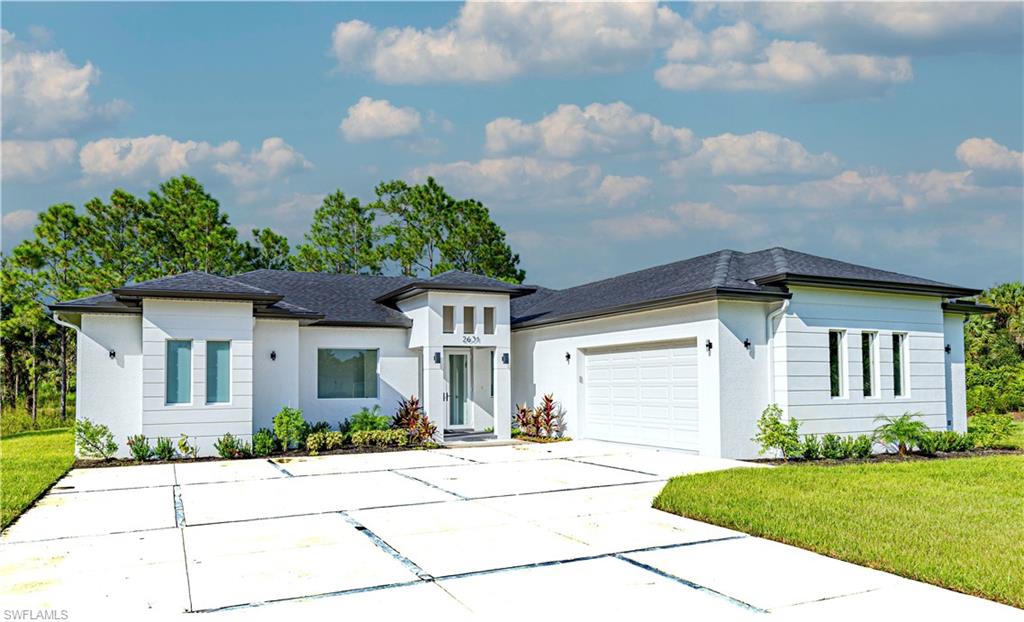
(769, 333)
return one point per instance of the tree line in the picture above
(407, 229)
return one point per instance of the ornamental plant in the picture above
(549, 417)
(139, 446)
(186, 449)
(94, 440)
(903, 432)
(777, 437)
(289, 427)
(164, 449)
(810, 449)
(411, 418)
(230, 446)
(263, 442)
(832, 447)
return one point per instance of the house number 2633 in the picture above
(471, 339)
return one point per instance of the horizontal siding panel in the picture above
(213, 429)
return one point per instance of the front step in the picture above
(468, 436)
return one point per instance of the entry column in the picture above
(433, 389)
(502, 393)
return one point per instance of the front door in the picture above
(457, 376)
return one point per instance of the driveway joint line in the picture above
(285, 599)
(690, 584)
(434, 486)
(184, 559)
(380, 543)
(608, 466)
(824, 599)
(179, 507)
(280, 468)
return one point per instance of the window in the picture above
(218, 372)
(867, 358)
(448, 315)
(488, 320)
(899, 364)
(468, 320)
(835, 362)
(492, 371)
(346, 373)
(179, 371)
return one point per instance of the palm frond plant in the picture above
(903, 432)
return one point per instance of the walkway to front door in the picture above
(560, 530)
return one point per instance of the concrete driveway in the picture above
(507, 531)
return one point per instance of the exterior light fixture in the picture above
(112, 353)
(567, 358)
(273, 355)
(437, 358)
(949, 348)
(708, 345)
(746, 343)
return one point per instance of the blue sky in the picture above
(604, 138)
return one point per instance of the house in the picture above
(684, 355)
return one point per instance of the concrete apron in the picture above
(463, 533)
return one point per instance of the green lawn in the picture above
(957, 523)
(29, 463)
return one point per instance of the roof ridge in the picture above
(779, 259)
(721, 272)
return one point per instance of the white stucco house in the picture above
(684, 355)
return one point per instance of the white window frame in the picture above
(876, 375)
(904, 365)
(843, 375)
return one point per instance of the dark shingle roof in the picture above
(103, 303)
(199, 285)
(339, 298)
(456, 280)
(721, 274)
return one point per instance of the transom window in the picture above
(218, 372)
(448, 319)
(344, 373)
(178, 372)
(837, 373)
(899, 364)
(488, 320)
(468, 320)
(867, 357)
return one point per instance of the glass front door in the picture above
(458, 389)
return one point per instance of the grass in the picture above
(955, 523)
(15, 418)
(29, 463)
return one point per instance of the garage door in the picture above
(645, 395)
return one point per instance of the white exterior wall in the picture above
(745, 374)
(275, 382)
(956, 378)
(802, 358)
(539, 365)
(199, 321)
(397, 370)
(110, 390)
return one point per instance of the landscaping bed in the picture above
(952, 523)
(31, 463)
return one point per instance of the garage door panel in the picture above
(642, 395)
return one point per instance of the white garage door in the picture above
(643, 394)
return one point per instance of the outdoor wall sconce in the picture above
(112, 354)
(568, 357)
(437, 358)
(504, 358)
(273, 355)
(949, 348)
(746, 343)
(708, 345)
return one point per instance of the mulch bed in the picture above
(541, 439)
(282, 457)
(892, 457)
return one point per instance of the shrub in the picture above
(263, 442)
(289, 427)
(411, 418)
(861, 447)
(810, 449)
(230, 446)
(368, 419)
(315, 442)
(380, 438)
(549, 417)
(525, 420)
(334, 440)
(164, 449)
(991, 430)
(94, 440)
(833, 447)
(139, 446)
(950, 441)
(186, 449)
(998, 389)
(774, 435)
(929, 442)
(319, 426)
(901, 432)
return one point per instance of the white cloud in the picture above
(494, 41)
(374, 119)
(571, 131)
(918, 27)
(616, 190)
(514, 178)
(792, 66)
(36, 159)
(705, 216)
(637, 226)
(45, 93)
(985, 153)
(738, 40)
(274, 159)
(18, 221)
(757, 153)
(148, 155)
